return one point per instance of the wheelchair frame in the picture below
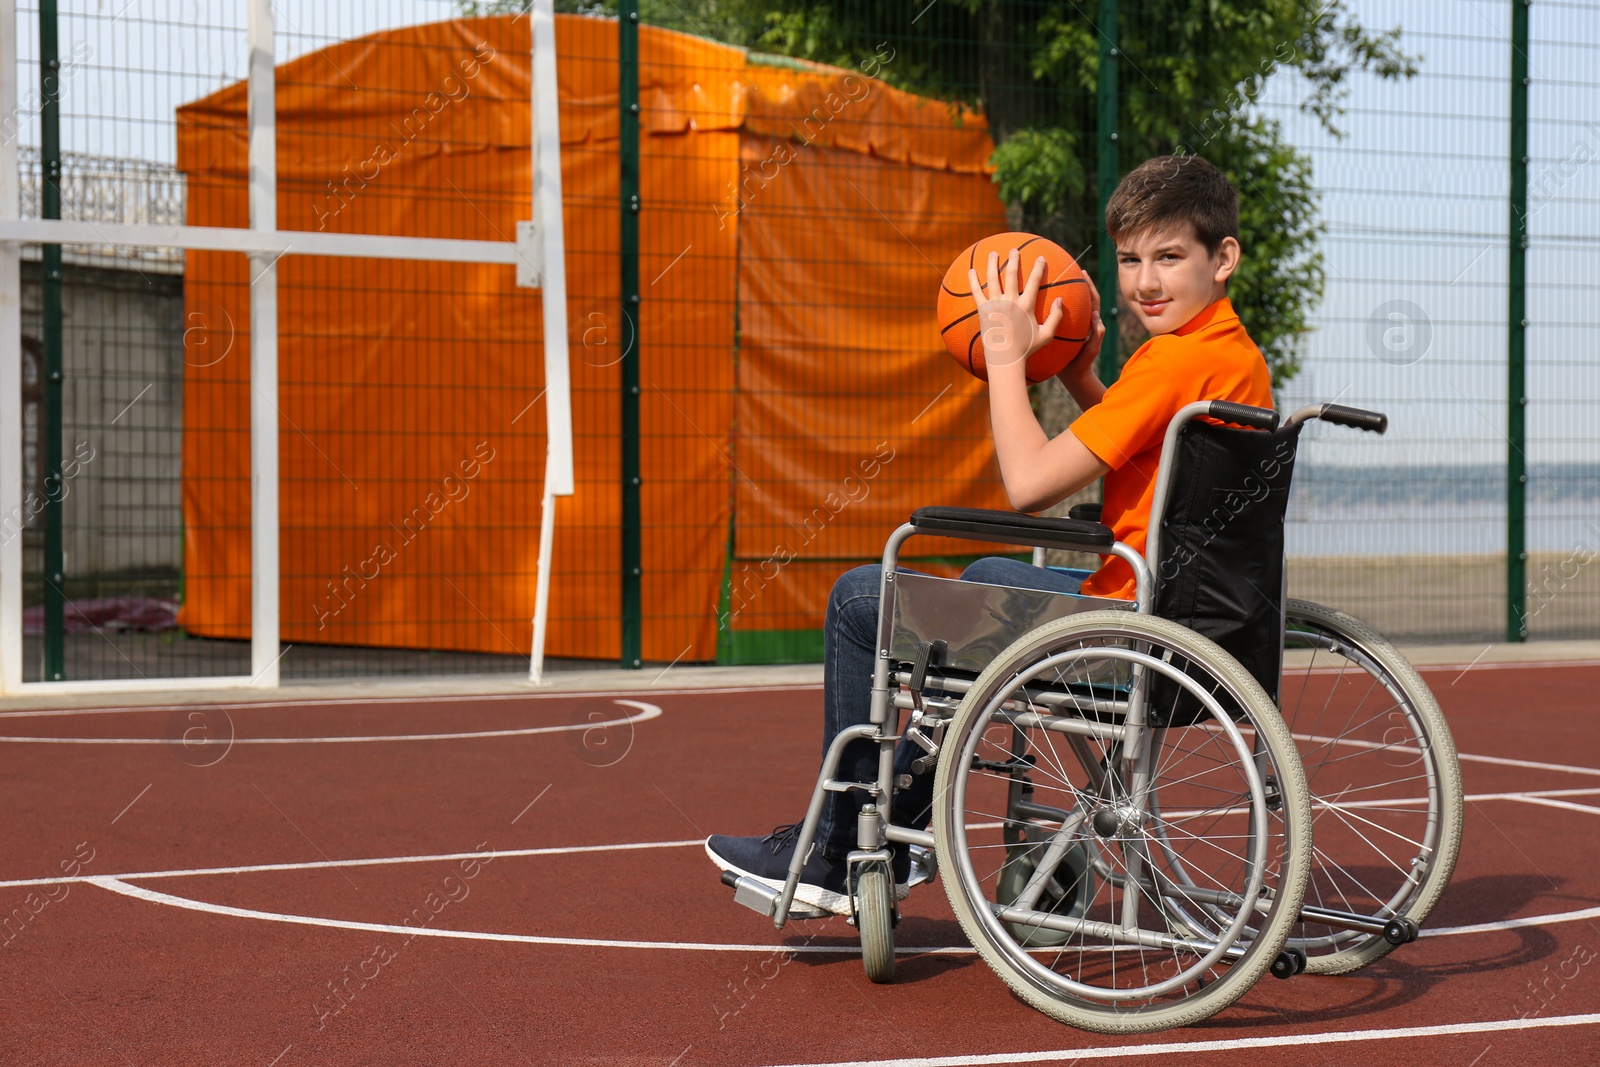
(1216, 925)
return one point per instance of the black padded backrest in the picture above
(1221, 566)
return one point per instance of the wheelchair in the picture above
(1141, 807)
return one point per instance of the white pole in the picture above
(558, 476)
(541, 596)
(264, 617)
(547, 205)
(12, 516)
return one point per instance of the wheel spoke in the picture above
(1208, 895)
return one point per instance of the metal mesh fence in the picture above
(1375, 188)
(116, 322)
(377, 410)
(863, 171)
(805, 171)
(1409, 530)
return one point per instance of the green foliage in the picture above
(471, 9)
(735, 22)
(1039, 167)
(1191, 73)
(1280, 280)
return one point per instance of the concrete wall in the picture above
(123, 405)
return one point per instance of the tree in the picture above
(1192, 72)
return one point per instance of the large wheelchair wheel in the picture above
(1174, 856)
(1385, 784)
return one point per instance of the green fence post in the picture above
(50, 208)
(628, 152)
(1517, 323)
(1106, 258)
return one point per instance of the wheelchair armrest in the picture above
(1013, 528)
(1085, 512)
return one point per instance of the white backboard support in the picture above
(547, 227)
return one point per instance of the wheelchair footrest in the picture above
(763, 899)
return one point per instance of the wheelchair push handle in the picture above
(1341, 415)
(1244, 415)
(1355, 418)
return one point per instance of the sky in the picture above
(1416, 200)
(138, 60)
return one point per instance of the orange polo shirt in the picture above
(1210, 357)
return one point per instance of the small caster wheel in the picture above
(875, 921)
(1290, 962)
(1400, 931)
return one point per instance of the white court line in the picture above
(1535, 796)
(570, 850)
(646, 713)
(313, 702)
(117, 885)
(1521, 666)
(1528, 764)
(139, 892)
(380, 861)
(1464, 757)
(1586, 808)
(114, 883)
(1350, 741)
(1337, 1037)
(1317, 804)
(319, 702)
(1515, 924)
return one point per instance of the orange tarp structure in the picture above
(795, 222)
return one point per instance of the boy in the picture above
(1174, 221)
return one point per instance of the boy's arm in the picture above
(1036, 470)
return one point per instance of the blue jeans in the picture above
(849, 650)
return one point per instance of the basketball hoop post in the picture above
(552, 277)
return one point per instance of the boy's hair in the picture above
(1171, 190)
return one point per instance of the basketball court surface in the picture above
(518, 877)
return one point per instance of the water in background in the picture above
(1438, 510)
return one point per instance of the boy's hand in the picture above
(1005, 316)
(1083, 363)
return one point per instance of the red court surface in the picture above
(496, 880)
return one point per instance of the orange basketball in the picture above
(958, 314)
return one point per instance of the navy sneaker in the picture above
(766, 859)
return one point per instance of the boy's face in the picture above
(1167, 276)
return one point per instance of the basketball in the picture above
(958, 315)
